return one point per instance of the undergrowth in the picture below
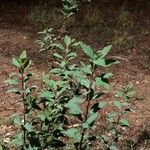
(69, 106)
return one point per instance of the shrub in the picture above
(65, 113)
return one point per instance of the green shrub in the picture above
(68, 108)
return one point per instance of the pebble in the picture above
(6, 140)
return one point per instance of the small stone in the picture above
(8, 134)
(6, 140)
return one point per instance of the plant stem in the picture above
(24, 107)
(87, 109)
(86, 115)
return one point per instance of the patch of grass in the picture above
(124, 20)
(119, 31)
(123, 41)
(45, 15)
(123, 31)
(93, 20)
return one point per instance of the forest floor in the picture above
(134, 68)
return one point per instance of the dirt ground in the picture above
(134, 68)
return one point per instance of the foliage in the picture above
(117, 123)
(68, 88)
(70, 7)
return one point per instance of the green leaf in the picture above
(13, 74)
(75, 44)
(111, 116)
(125, 104)
(74, 105)
(23, 55)
(130, 94)
(1, 148)
(124, 123)
(27, 91)
(56, 71)
(47, 95)
(28, 127)
(70, 132)
(128, 87)
(11, 81)
(119, 94)
(72, 54)
(87, 50)
(100, 62)
(91, 119)
(61, 91)
(102, 82)
(70, 58)
(14, 90)
(60, 46)
(48, 82)
(85, 82)
(67, 40)
(108, 75)
(77, 137)
(16, 119)
(73, 133)
(106, 50)
(16, 62)
(18, 140)
(57, 55)
(72, 67)
(31, 148)
(101, 104)
(117, 104)
(113, 147)
(63, 63)
(86, 69)
(85, 125)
